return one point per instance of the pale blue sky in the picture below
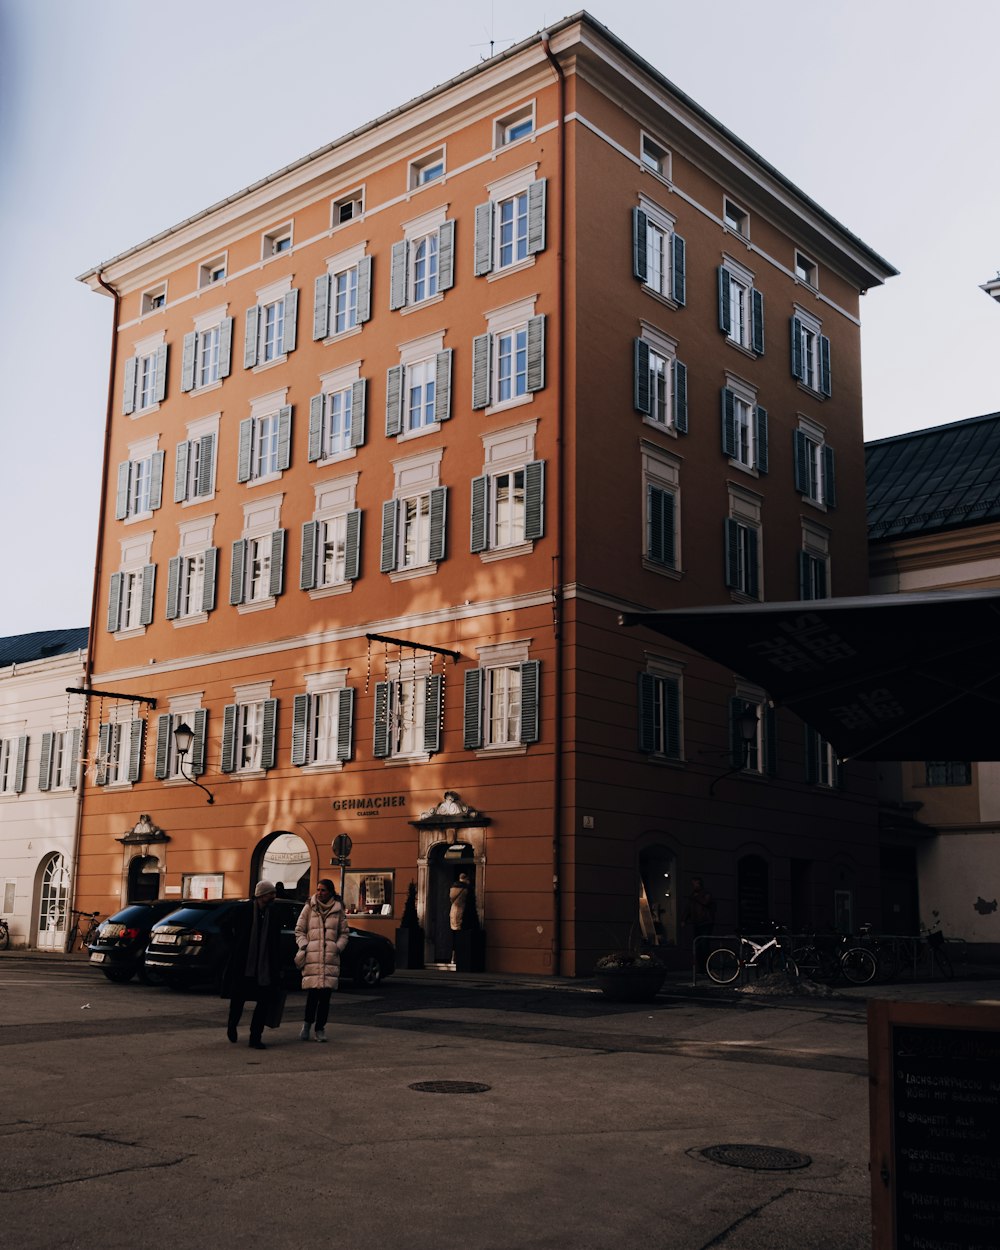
(119, 118)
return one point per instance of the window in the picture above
(277, 241)
(661, 510)
(337, 418)
(408, 711)
(323, 722)
(131, 589)
(270, 326)
(508, 362)
(265, 441)
(212, 271)
(426, 169)
(249, 732)
(741, 308)
(660, 390)
(13, 759)
(207, 352)
(655, 157)
(660, 710)
(418, 392)
(194, 462)
(508, 498)
(59, 760)
(514, 126)
(510, 226)
(145, 377)
(423, 263)
(256, 575)
(154, 299)
(368, 893)
(501, 699)
(347, 208)
(140, 482)
(815, 466)
(743, 543)
(736, 218)
(191, 581)
(822, 766)
(413, 530)
(949, 773)
(183, 711)
(119, 752)
(758, 754)
(814, 563)
(810, 354)
(744, 428)
(331, 541)
(342, 300)
(805, 269)
(658, 252)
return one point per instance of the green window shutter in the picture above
(20, 764)
(160, 385)
(536, 353)
(237, 578)
(770, 741)
(121, 495)
(196, 760)
(472, 710)
(680, 397)
(250, 341)
(757, 321)
(359, 405)
(530, 696)
(206, 464)
(390, 529)
(135, 746)
(345, 724)
(536, 216)
(393, 400)
(481, 345)
(805, 579)
(173, 587)
(269, 734)
(246, 444)
(824, 365)
(829, 478)
(381, 743)
(103, 751)
(300, 722)
(642, 399)
(534, 499)
(307, 564)
(211, 577)
(187, 361)
(678, 268)
(483, 250)
(45, 763)
(352, 546)
(647, 713)
(446, 255)
(156, 480)
(436, 540)
(164, 728)
(796, 348)
(728, 422)
(74, 776)
(662, 526)
(321, 306)
(225, 347)
(115, 601)
(479, 535)
(148, 589)
(227, 763)
(737, 747)
(277, 562)
(672, 718)
(732, 554)
(760, 432)
(364, 290)
(725, 319)
(316, 406)
(811, 756)
(433, 709)
(397, 275)
(640, 259)
(284, 437)
(291, 313)
(181, 471)
(753, 557)
(801, 448)
(131, 374)
(442, 385)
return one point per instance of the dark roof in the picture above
(946, 477)
(21, 648)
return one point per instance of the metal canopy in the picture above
(881, 677)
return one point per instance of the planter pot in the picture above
(630, 985)
(409, 948)
(470, 950)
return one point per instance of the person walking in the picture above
(321, 934)
(254, 969)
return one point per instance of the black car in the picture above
(192, 945)
(120, 948)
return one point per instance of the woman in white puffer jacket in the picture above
(321, 935)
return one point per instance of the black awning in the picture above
(881, 677)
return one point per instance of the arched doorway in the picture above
(143, 879)
(658, 895)
(753, 895)
(285, 859)
(444, 864)
(53, 900)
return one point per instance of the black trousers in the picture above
(247, 989)
(318, 1007)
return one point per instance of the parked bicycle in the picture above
(725, 965)
(4, 933)
(827, 958)
(85, 927)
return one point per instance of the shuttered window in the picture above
(510, 230)
(660, 387)
(337, 421)
(810, 356)
(741, 310)
(342, 299)
(659, 256)
(659, 715)
(323, 727)
(413, 530)
(508, 364)
(500, 705)
(265, 446)
(145, 380)
(270, 330)
(744, 431)
(742, 543)
(249, 733)
(257, 570)
(815, 469)
(422, 267)
(508, 507)
(408, 715)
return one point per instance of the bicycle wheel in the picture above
(722, 966)
(4, 936)
(858, 965)
(815, 964)
(792, 968)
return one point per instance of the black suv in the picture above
(120, 946)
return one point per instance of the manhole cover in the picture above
(759, 1158)
(450, 1087)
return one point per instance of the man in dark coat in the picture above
(254, 969)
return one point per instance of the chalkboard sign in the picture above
(935, 1126)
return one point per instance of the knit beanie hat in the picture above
(263, 887)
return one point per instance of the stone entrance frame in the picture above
(447, 823)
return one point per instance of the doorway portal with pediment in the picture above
(452, 841)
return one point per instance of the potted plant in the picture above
(630, 975)
(410, 935)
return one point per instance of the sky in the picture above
(121, 118)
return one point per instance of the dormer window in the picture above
(154, 299)
(427, 169)
(212, 271)
(277, 241)
(736, 218)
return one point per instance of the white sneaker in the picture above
(304, 1033)
(321, 1035)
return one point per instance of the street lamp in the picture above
(746, 724)
(183, 737)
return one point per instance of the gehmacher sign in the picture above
(368, 806)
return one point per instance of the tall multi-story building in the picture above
(397, 433)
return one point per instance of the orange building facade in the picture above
(395, 435)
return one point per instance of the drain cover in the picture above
(450, 1087)
(758, 1158)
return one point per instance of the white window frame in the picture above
(735, 217)
(746, 509)
(415, 478)
(265, 438)
(806, 270)
(502, 323)
(501, 696)
(505, 452)
(655, 157)
(741, 286)
(745, 425)
(324, 712)
(135, 566)
(213, 272)
(817, 492)
(270, 335)
(816, 547)
(660, 226)
(277, 241)
(336, 383)
(355, 200)
(661, 671)
(9, 744)
(428, 168)
(756, 752)
(205, 428)
(153, 300)
(514, 120)
(334, 500)
(115, 766)
(261, 519)
(419, 354)
(510, 190)
(662, 471)
(664, 348)
(196, 539)
(408, 679)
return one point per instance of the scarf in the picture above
(258, 966)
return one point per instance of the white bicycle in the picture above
(725, 965)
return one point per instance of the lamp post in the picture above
(183, 737)
(746, 724)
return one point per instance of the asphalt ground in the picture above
(128, 1120)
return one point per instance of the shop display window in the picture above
(368, 893)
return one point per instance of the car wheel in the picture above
(150, 976)
(369, 972)
(119, 975)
